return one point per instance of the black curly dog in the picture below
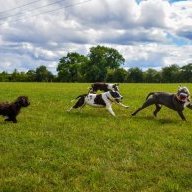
(11, 110)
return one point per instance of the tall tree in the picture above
(186, 73)
(4, 76)
(117, 75)
(135, 75)
(14, 76)
(69, 67)
(31, 75)
(152, 76)
(170, 74)
(43, 75)
(100, 60)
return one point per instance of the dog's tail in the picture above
(90, 89)
(83, 95)
(151, 93)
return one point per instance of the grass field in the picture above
(52, 150)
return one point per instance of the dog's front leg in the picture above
(121, 104)
(8, 119)
(189, 106)
(110, 110)
(13, 119)
(181, 115)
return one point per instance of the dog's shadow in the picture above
(3, 122)
(79, 114)
(85, 114)
(158, 120)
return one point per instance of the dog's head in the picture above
(183, 93)
(23, 101)
(116, 87)
(115, 96)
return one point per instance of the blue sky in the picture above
(148, 33)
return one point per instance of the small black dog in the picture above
(11, 110)
(103, 87)
(177, 101)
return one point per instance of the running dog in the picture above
(176, 102)
(99, 100)
(103, 87)
(11, 110)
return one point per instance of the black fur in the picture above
(115, 94)
(102, 87)
(11, 110)
(80, 102)
(99, 100)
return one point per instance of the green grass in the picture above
(52, 150)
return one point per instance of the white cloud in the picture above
(153, 33)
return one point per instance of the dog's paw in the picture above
(7, 120)
(68, 110)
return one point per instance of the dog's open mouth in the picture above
(118, 100)
(183, 96)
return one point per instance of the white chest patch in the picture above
(186, 103)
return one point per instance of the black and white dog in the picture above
(103, 87)
(176, 102)
(99, 100)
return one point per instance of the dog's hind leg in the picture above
(158, 108)
(79, 103)
(147, 103)
(80, 108)
(110, 110)
(90, 90)
(13, 119)
(181, 115)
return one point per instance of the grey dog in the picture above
(176, 102)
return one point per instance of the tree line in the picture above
(102, 64)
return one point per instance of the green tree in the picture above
(117, 75)
(18, 76)
(70, 67)
(43, 75)
(152, 76)
(14, 76)
(170, 74)
(31, 75)
(135, 75)
(4, 76)
(22, 77)
(100, 60)
(186, 73)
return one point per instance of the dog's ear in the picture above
(179, 87)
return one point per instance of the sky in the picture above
(148, 33)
